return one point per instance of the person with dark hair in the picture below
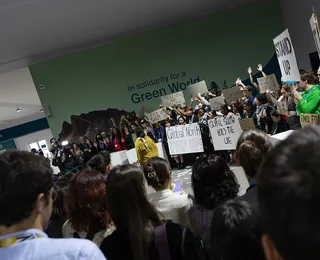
(146, 148)
(289, 195)
(128, 137)
(264, 121)
(293, 118)
(99, 143)
(250, 112)
(213, 183)
(118, 140)
(87, 208)
(101, 162)
(140, 232)
(309, 101)
(252, 147)
(87, 147)
(26, 190)
(279, 123)
(172, 206)
(235, 234)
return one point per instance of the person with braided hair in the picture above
(172, 206)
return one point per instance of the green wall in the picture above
(214, 48)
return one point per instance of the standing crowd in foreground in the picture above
(104, 212)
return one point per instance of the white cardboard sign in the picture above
(156, 116)
(200, 87)
(315, 31)
(232, 94)
(286, 57)
(173, 99)
(225, 132)
(183, 139)
(268, 83)
(217, 102)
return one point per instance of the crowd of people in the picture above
(105, 213)
(295, 98)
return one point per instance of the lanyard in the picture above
(19, 239)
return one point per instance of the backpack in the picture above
(190, 246)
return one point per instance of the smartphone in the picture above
(177, 187)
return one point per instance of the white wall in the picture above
(23, 141)
(296, 15)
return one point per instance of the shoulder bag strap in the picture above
(161, 243)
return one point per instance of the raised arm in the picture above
(260, 68)
(252, 81)
(203, 100)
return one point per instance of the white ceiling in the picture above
(17, 90)
(36, 30)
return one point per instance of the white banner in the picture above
(173, 99)
(225, 132)
(232, 94)
(286, 57)
(315, 31)
(268, 83)
(183, 139)
(156, 116)
(216, 103)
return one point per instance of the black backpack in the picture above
(189, 247)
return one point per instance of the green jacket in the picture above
(310, 101)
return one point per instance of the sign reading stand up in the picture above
(286, 57)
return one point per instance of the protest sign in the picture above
(183, 139)
(314, 22)
(156, 116)
(216, 103)
(286, 57)
(173, 99)
(268, 83)
(246, 123)
(200, 87)
(225, 132)
(308, 119)
(282, 108)
(232, 94)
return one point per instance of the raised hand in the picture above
(260, 68)
(250, 70)
(238, 81)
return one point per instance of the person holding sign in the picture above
(309, 101)
(179, 158)
(146, 148)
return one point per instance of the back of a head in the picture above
(213, 182)
(157, 172)
(140, 133)
(262, 98)
(289, 195)
(310, 77)
(100, 162)
(252, 147)
(87, 202)
(129, 208)
(234, 232)
(23, 177)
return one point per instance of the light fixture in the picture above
(64, 143)
(18, 110)
(41, 110)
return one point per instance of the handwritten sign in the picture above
(156, 116)
(183, 139)
(216, 103)
(286, 57)
(200, 87)
(225, 132)
(268, 83)
(232, 94)
(315, 31)
(173, 99)
(246, 123)
(282, 108)
(308, 119)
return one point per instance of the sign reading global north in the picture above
(161, 86)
